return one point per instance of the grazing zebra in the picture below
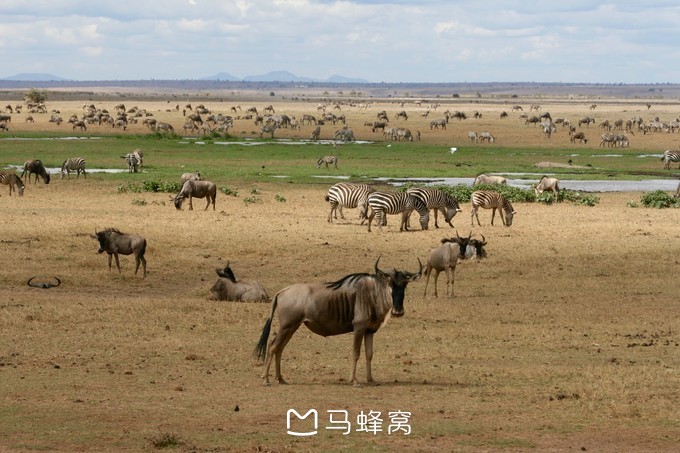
(437, 200)
(268, 129)
(486, 137)
(332, 160)
(383, 203)
(76, 164)
(670, 156)
(11, 179)
(348, 195)
(491, 200)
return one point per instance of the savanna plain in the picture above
(565, 338)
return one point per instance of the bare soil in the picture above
(566, 337)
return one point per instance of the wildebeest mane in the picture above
(348, 280)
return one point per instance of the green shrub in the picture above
(229, 191)
(150, 186)
(659, 199)
(280, 198)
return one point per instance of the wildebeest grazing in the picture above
(358, 303)
(114, 242)
(197, 189)
(227, 288)
(550, 184)
(35, 167)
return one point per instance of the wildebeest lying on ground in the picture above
(358, 303)
(114, 242)
(197, 189)
(227, 288)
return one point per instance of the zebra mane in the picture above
(348, 280)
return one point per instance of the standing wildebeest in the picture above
(358, 303)
(35, 167)
(227, 288)
(12, 180)
(485, 179)
(551, 184)
(113, 242)
(580, 136)
(444, 258)
(197, 189)
(488, 199)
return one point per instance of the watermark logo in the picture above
(370, 422)
(310, 413)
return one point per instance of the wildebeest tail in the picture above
(261, 349)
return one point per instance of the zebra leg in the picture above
(342, 215)
(493, 214)
(500, 213)
(370, 219)
(436, 213)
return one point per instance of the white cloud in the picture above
(379, 40)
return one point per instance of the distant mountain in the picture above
(35, 77)
(224, 76)
(277, 76)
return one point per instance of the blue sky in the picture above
(380, 41)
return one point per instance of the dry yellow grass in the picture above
(566, 337)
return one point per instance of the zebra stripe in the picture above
(12, 180)
(670, 156)
(348, 195)
(76, 164)
(328, 160)
(383, 203)
(437, 200)
(491, 200)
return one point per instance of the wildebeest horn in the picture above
(420, 271)
(44, 285)
(483, 240)
(377, 269)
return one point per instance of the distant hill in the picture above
(342, 79)
(35, 77)
(277, 76)
(225, 76)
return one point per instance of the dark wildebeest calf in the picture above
(114, 242)
(358, 303)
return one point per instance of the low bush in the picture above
(659, 199)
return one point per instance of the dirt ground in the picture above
(564, 338)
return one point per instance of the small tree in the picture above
(36, 96)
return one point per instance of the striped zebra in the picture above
(670, 156)
(348, 195)
(132, 162)
(488, 199)
(383, 203)
(12, 180)
(328, 160)
(76, 164)
(438, 201)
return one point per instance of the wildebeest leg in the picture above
(368, 348)
(436, 276)
(117, 262)
(427, 280)
(356, 353)
(450, 275)
(276, 346)
(143, 261)
(110, 258)
(191, 206)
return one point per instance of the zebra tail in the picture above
(261, 349)
(327, 198)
